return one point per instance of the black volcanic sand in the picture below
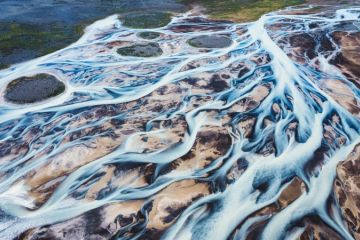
(141, 50)
(208, 41)
(33, 89)
(149, 35)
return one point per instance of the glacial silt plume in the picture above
(257, 138)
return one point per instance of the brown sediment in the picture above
(117, 44)
(347, 190)
(100, 223)
(261, 59)
(103, 182)
(332, 136)
(44, 181)
(293, 191)
(303, 45)
(168, 202)
(236, 170)
(252, 100)
(256, 229)
(342, 94)
(348, 60)
(108, 220)
(69, 160)
(246, 126)
(276, 108)
(207, 83)
(153, 141)
(290, 193)
(205, 61)
(127, 209)
(211, 143)
(171, 201)
(299, 47)
(315, 229)
(10, 151)
(313, 225)
(291, 129)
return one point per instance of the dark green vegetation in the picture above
(33, 89)
(210, 41)
(32, 28)
(4, 65)
(141, 50)
(24, 41)
(146, 19)
(17, 40)
(242, 10)
(149, 35)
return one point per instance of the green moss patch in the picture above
(34, 37)
(145, 19)
(242, 10)
(149, 35)
(210, 41)
(141, 50)
(33, 89)
(4, 66)
(33, 40)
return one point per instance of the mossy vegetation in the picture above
(141, 50)
(144, 20)
(210, 41)
(33, 89)
(33, 40)
(149, 35)
(21, 41)
(4, 65)
(34, 37)
(242, 10)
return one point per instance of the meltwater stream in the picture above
(194, 144)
